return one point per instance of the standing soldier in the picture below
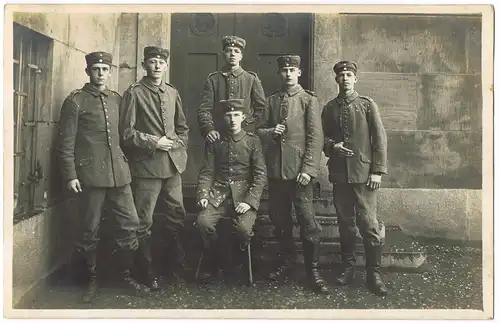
(292, 130)
(93, 166)
(155, 132)
(232, 82)
(231, 181)
(356, 144)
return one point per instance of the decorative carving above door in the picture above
(203, 24)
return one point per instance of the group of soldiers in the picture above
(128, 153)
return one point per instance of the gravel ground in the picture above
(451, 280)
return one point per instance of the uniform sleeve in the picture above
(205, 177)
(68, 127)
(259, 176)
(378, 139)
(205, 109)
(131, 137)
(264, 128)
(259, 102)
(314, 139)
(328, 132)
(181, 127)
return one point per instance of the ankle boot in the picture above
(347, 275)
(311, 263)
(146, 262)
(373, 264)
(90, 266)
(347, 249)
(285, 256)
(130, 285)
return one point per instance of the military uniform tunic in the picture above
(90, 152)
(150, 112)
(298, 150)
(356, 121)
(233, 171)
(224, 85)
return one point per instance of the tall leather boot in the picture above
(126, 261)
(179, 266)
(311, 263)
(146, 262)
(285, 257)
(206, 267)
(373, 264)
(347, 247)
(91, 273)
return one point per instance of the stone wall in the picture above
(424, 72)
(42, 242)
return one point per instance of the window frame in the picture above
(32, 61)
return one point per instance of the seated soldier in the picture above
(230, 184)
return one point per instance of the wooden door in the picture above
(196, 52)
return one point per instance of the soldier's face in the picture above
(346, 80)
(155, 67)
(289, 75)
(233, 120)
(232, 55)
(98, 73)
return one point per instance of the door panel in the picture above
(196, 52)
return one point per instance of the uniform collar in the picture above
(236, 137)
(152, 87)
(92, 89)
(291, 92)
(237, 72)
(349, 98)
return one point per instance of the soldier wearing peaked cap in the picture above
(230, 185)
(231, 82)
(94, 166)
(155, 134)
(291, 128)
(356, 145)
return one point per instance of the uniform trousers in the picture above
(210, 216)
(121, 204)
(167, 191)
(282, 195)
(356, 206)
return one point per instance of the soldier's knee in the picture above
(244, 233)
(204, 225)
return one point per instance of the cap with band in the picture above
(156, 52)
(99, 57)
(345, 66)
(289, 61)
(232, 105)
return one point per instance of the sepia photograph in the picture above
(248, 161)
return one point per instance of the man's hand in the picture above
(374, 181)
(203, 203)
(242, 208)
(165, 144)
(341, 150)
(303, 179)
(279, 129)
(213, 136)
(74, 186)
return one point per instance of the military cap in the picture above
(156, 52)
(233, 41)
(345, 66)
(98, 57)
(232, 105)
(289, 61)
